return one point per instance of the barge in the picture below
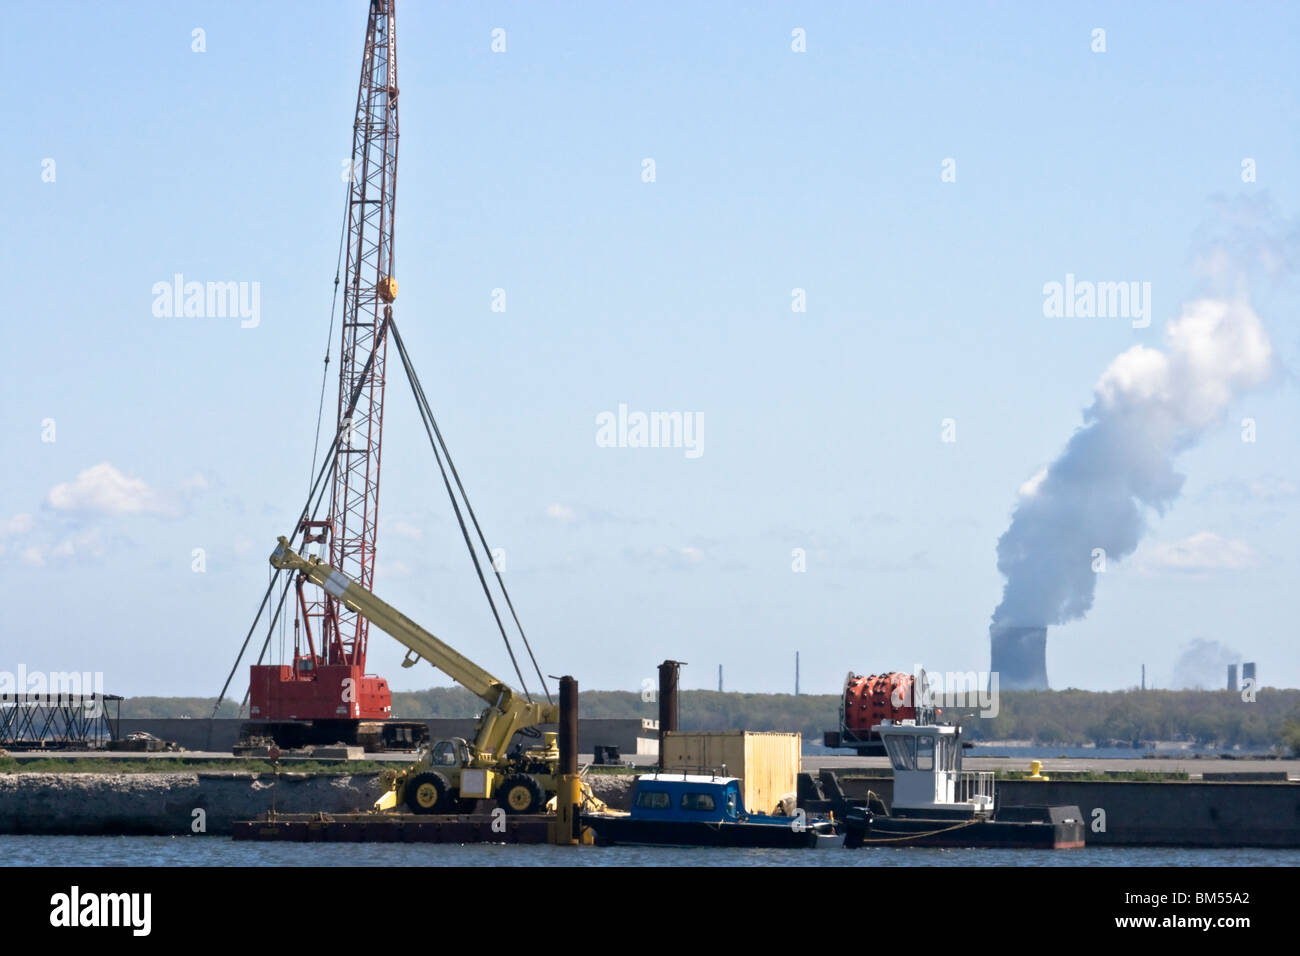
(393, 828)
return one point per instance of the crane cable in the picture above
(431, 429)
(501, 582)
(329, 339)
(309, 511)
(482, 538)
(311, 490)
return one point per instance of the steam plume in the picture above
(1149, 405)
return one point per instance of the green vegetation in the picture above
(1132, 718)
(158, 707)
(1291, 733)
(1067, 717)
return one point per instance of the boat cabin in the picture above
(926, 760)
(676, 809)
(687, 798)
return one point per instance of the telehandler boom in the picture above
(452, 773)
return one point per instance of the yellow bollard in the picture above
(1036, 771)
(568, 802)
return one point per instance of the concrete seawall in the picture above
(165, 803)
(1175, 813)
(1142, 813)
(134, 804)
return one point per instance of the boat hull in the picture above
(612, 830)
(1029, 828)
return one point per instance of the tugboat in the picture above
(937, 804)
(674, 809)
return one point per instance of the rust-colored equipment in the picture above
(869, 699)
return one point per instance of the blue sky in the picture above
(521, 170)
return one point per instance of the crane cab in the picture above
(449, 753)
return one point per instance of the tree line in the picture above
(1068, 717)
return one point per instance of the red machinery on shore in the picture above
(869, 700)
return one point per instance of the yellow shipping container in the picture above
(766, 763)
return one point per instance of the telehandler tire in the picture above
(428, 792)
(520, 793)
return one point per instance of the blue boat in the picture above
(673, 809)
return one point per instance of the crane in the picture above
(304, 702)
(451, 773)
(324, 694)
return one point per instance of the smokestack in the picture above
(1232, 677)
(568, 736)
(668, 673)
(1248, 671)
(1019, 656)
(796, 673)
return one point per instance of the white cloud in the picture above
(1265, 489)
(1203, 551)
(404, 529)
(104, 489)
(1272, 488)
(18, 524)
(84, 544)
(560, 512)
(1031, 486)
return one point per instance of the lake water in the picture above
(222, 851)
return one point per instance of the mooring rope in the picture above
(917, 836)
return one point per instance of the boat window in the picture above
(902, 751)
(653, 800)
(698, 801)
(925, 753)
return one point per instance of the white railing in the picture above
(975, 786)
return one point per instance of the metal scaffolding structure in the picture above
(59, 721)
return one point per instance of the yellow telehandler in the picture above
(449, 775)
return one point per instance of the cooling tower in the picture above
(1019, 656)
